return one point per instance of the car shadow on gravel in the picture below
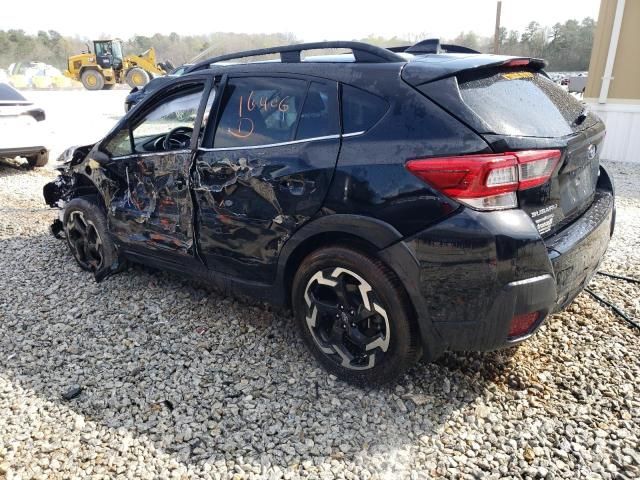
(205, 378)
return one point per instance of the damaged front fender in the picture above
(59, 191)
(68, 184)
(77, 179)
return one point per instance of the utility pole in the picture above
(496, 35)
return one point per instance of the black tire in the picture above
(92, 80)
(137, 77)
(102, 254)
(39, 160)
(343, 340)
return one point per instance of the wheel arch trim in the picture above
(383, 241)
(370, 233)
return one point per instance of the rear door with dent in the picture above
(264, 169)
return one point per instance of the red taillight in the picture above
(487, 181)
(523, 324)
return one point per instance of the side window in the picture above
(120, 144)
(259, 111)
(178, 110)
(360, 109)
(319, 117)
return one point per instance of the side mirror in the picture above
(100, 157)
(36, 113)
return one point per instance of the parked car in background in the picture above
(21, 131)
(138, 93)
(577, 83)
(37, 75)
(47, 77)
(402, 203)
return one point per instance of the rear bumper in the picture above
(469, 275)
(576, 252)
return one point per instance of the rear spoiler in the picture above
(432, 45)
(429, 68)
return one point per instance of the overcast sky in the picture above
(327, 19)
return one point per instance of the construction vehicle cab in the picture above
(108, 53)
(107, 66)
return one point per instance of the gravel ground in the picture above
(172, 381)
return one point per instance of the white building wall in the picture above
(622, 143)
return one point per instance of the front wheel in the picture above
(137, 77)
(92, 80)
(85, 226)
(39, 160)
(354, 316)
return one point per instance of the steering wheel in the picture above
(178, 137)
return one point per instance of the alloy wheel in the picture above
(85, 242)
(346, 318)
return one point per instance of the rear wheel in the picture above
(354, 316)
(92, 80)
(137, 77)
(39, 160)
(85, 227)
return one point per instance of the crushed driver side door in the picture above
(151, 157)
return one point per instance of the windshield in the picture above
(9, 94)
(109, 48)
(117, 50)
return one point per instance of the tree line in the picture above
(566, 47)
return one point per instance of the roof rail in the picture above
(363, 53)
(433, 45)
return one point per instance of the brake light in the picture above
(518, 62)
(487, 181)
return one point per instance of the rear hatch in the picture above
(514, 106)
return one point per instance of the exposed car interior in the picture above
(165, 127)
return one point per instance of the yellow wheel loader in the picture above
(107, 66)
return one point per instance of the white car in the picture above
(21, 131)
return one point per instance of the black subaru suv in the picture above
(402, 203)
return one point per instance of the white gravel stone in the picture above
(179, 382)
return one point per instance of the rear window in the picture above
(319, 117)
(9, 94)
(521, 103)
(360, 109)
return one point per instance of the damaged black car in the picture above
(401, 202)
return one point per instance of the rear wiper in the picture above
(582, 117)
